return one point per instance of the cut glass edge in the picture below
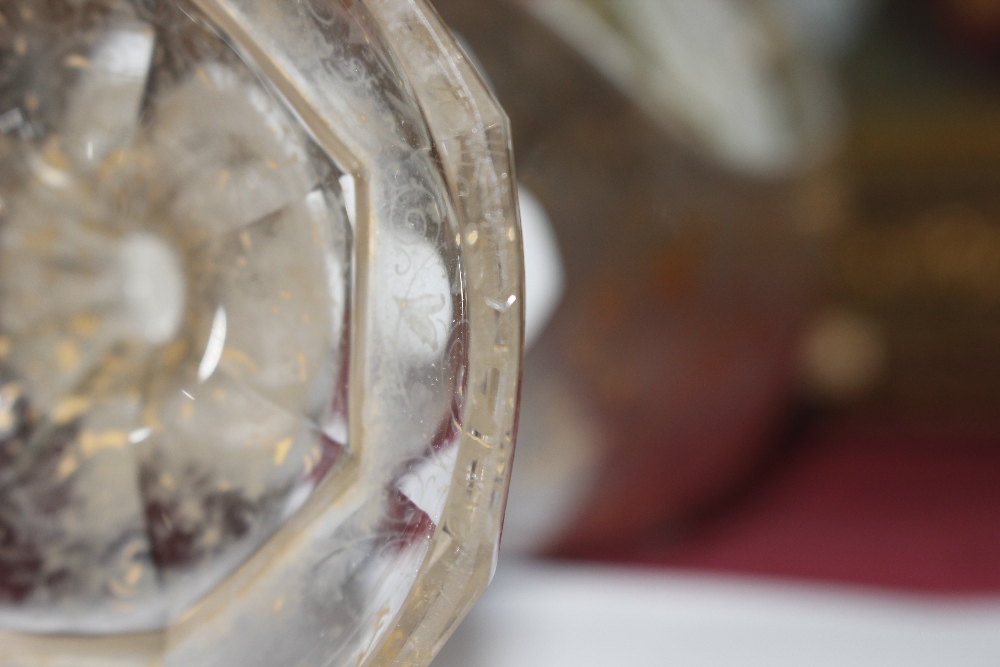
(461, 557)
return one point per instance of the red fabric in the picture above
(897, 505)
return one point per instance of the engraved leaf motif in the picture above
(416, 312)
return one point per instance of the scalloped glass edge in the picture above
(471, 139)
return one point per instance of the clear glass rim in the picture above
(471, 137)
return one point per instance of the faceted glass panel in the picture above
(175, 258)
(260, 323)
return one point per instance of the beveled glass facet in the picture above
(260, 328)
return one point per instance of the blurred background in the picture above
(761, 408)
